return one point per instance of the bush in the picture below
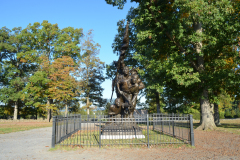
(221, 114)
(233, 113)
(196, 116)
(228, 114)
(237, 113)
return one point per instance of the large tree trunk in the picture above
(157, 102)
(216, 114)
(66, 110)
(200, 112)
(15, 111)
(207, 119)
(88, 105)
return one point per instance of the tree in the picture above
(36, 92)
(28, 57)
(53, 43)
(91, 73)
(187, 43)
(63, 87)
(15, 70)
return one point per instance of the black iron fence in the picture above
(102, 130)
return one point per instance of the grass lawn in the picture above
(229, 126)
(91, 138)
(8, 127)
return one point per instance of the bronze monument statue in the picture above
(126, 83)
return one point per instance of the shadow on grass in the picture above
(222, 125)
(195, 125)
(229, 125)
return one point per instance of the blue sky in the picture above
(86, 14)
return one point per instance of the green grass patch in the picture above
(8, 127)
(130, 146)
(91, 139)
(228, 126)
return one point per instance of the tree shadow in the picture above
(195, 125)
(229, 125)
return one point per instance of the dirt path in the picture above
(34, 144)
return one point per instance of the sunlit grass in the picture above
(8, 127)
(91, 138)
(229, 126)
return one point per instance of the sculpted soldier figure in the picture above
(123, 87)
(126, 85)
(115, 108)
(137, 85)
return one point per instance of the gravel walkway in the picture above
(35, 144)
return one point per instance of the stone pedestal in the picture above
(119, 130)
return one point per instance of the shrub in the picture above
(228, 114)
(237, 113)
(196, 116)
(221, 114)
(233, 113)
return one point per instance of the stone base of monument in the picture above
(121, 131)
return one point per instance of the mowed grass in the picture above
(229, 126)
(91, 138)
(8, 127)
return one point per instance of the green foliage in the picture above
(228, 114)
(14, 70)
(233, 113)
(221, 114)
(153, 109)
(183, 54)
(37, 66)
(105, 112)
(237, 113)
(119, 3)
(225, 101)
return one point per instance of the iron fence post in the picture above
(74, 122)
(54, 132)
(147, 131)
(173, 124)
(61, 123)
(153, 121)
(169, 120)
(80, 122)
(191, 130)
(162, 122)
(66, 125)
(99, 118)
